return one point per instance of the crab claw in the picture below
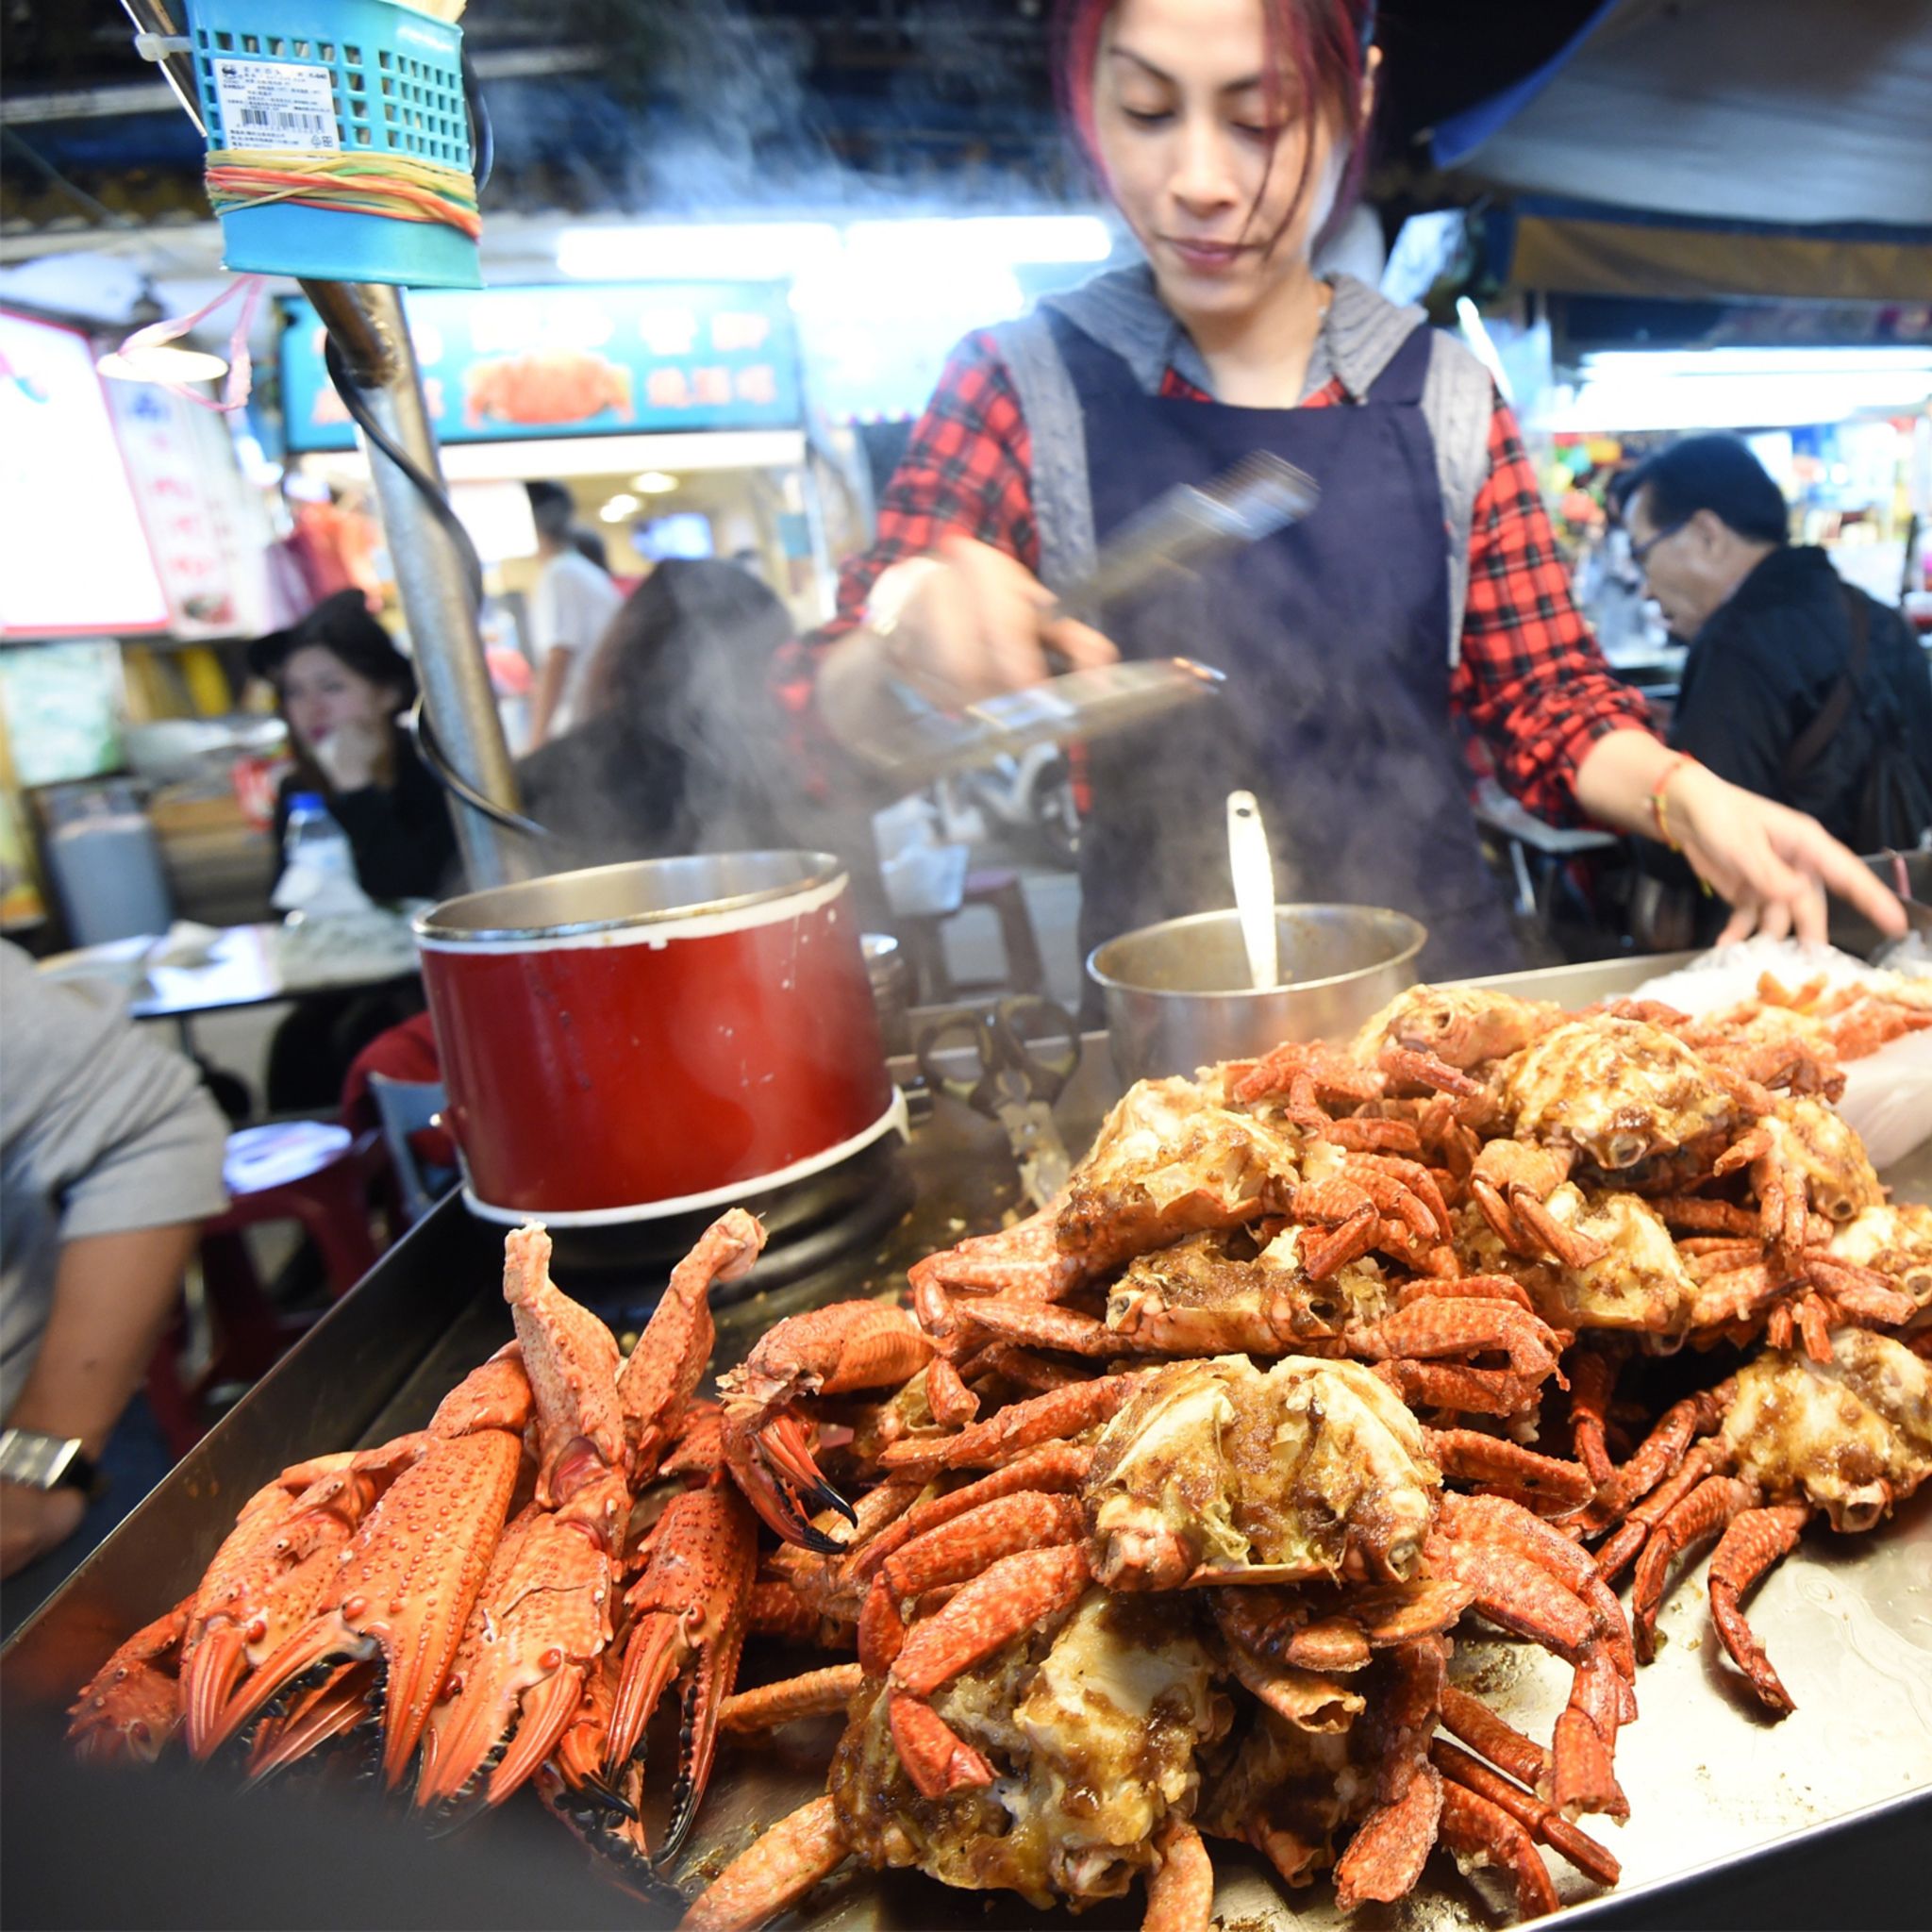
(131, 1706)
(403, 1587)
(691, 1607)
(782, 1482)
(827, 1351)
(542, 1620)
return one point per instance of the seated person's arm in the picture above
(110, 1155)
(113, 1294)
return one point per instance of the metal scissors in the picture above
(1012, 1063)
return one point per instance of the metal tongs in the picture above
(1170, 541)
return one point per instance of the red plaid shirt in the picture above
(1531, 684)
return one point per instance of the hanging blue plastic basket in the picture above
(349, 77)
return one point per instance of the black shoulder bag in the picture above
(1894, 806)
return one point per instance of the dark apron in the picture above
(1334, 635)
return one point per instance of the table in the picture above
(244, 966)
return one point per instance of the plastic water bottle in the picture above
(316, 843)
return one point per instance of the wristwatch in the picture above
(45, 1462)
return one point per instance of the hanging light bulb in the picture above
(159, 361)
(163, 362)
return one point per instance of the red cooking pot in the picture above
(647, 1040)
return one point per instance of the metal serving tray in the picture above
(1820, 1817)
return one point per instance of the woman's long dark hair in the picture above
(694, 625)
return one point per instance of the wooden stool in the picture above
(302, 1170)
(1000, 890)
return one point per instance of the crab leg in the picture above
(1489, 1737)
(1180, 1894)
(1347, 1240)
(659, 1377)
(1471, 1825)
(541, 1622)
(817, 1693)
(406, 1580)
(1708, 1508)
(1755, 1540)
(1437, 1326)
(954, 1553)
(1011, 1595)
(131, 1707)
(1659, 1454)
(1044, 1324)
(775, 1871)
(1514, 1590)
(1452, 1385)
(1488, 1288)
(1385, 1857)
(690, 1607)
(273, 1570)
(1052, 1469)
(1634, 1531)
(1478, 1458)
(330, 1711)
(1544, 1822)
(1023, 1426)
(946, 1394)
(1592, 1378)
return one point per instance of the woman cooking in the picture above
(1423, 593)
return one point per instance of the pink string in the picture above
(240, 369)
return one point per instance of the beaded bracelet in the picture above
(1657, 798)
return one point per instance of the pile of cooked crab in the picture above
(1150, 1520)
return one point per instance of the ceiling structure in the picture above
(661, 107)
(1785, 113)
(1692, 150)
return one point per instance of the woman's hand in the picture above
(975, 621)
(1774, 866)
(350, 756)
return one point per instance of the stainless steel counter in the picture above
(1848, 1622)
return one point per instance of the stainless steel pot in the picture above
(1177, 993)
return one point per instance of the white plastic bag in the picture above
(1888, 1096)
(921, 875)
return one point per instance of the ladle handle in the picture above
(1254, 887)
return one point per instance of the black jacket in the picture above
(401, 834)
(1764, 665)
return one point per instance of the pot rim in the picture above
(1418, 937)
(822, 870)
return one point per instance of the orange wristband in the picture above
(1657, 798)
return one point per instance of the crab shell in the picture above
(1216, 1471)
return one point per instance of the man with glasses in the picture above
(1797, 686)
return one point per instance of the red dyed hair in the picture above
(1324, 43)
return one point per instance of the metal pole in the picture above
(367, 323)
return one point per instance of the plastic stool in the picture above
(999, 889)
(302, 1170)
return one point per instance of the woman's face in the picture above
(1205, 170)
(321, 694)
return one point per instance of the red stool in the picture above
(302, 1170)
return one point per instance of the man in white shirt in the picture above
(572, 603)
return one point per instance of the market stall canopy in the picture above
(1771, 148)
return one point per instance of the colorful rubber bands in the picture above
(397, 186)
